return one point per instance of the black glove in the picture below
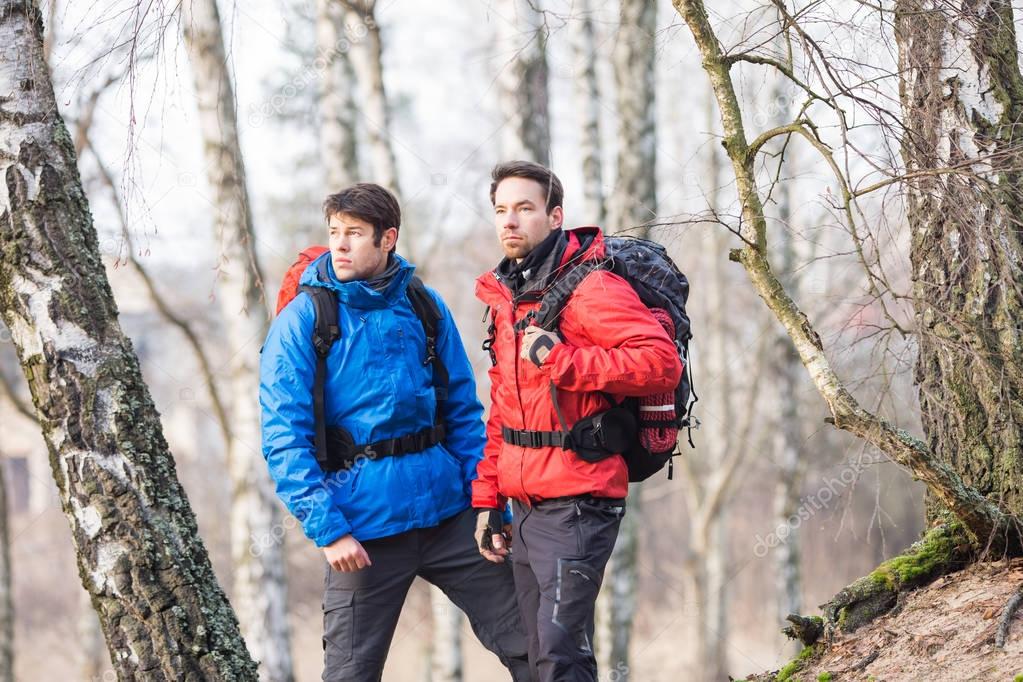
(489, 522)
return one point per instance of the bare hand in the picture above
(347, 555)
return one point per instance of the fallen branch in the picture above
(1006, 620)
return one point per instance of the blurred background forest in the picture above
(774, 510)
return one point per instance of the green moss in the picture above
(796, 664)
(825, 677)
(926, 556)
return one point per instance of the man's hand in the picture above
(493, 538)
(537, 344)
(347, 555)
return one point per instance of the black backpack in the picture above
(335, 448)
(660, 284)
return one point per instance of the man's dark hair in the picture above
(531, 171)
(366, 201)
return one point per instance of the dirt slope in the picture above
(944, 632)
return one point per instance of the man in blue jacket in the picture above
(390, 499)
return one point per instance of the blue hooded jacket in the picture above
(377, 388)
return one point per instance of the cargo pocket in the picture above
(338, 627)
(574, 600)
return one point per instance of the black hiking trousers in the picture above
(361, 609)
(559, 551)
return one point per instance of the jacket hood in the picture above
(358, 294)
(581, 243)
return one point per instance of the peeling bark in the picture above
(260, 592)
(962, 100)
(138, 550)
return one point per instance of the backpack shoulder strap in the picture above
(556, 297)
(428, 312)
(325, 332)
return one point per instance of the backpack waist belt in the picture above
(537, 439)
(342, 453)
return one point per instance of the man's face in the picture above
(520, 216)
(352, 251)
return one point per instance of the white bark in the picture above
(137, 547)
(446, 649)
(521, 53)
(787, 370)
(368, 61)
(634, 197)
(336, 98)
(587, 106)
(260, 593)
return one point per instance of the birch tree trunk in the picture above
(587, 105)
(336, 101)
(260, 592)
(446, 647)
(962, 99)
(136, 543)
(522, 80)
(368, 60)
(634, 197)
(786, 367)
(984, 522)
(633, 202)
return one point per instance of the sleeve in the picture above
(463, 413)
(628, 352)
(287, 369)
(484, 489)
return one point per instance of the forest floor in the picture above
(944, 632)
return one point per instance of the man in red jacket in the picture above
(608, 346)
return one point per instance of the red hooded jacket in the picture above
(611, 343)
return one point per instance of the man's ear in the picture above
(557, 217)
(390, 238)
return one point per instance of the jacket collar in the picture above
(580, 243)
(358, 294)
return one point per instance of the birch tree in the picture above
(962, 99)
(257, 559)
(633, 203)
(587, 105)
(521, 44)
(336, 97)
(368, 61)
(979, 510)
(634, 197)
(138, 550)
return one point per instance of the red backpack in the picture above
(289, 285)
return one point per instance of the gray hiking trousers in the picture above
(559, 552)
(361, 609)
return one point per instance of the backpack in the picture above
(335, 448)
(660, 285)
